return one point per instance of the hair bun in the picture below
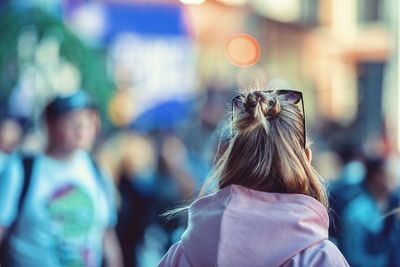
(268, 104)
(274, 107)
(250, 103)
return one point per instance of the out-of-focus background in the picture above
(162, 73)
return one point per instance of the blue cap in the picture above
(62, 105)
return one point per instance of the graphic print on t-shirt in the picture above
(71, 214)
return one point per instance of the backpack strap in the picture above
(96, 168)
(102, 181)
(27, 165)
(99, 177)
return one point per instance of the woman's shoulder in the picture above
(242, 196)
(219, 198)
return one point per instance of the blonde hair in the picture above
(267, 151)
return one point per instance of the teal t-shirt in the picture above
(65, 214)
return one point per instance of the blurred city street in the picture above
(158, 77)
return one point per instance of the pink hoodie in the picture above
(240, 227)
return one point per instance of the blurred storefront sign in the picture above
(150, 51)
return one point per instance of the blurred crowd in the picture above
(161, 168)
(154, 168)
(112, 113)
(364, 201)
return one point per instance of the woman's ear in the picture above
(309, 154)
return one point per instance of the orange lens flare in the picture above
(242, 50)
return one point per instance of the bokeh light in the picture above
(121, 109)
(242, 50)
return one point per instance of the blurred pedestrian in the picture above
(346, 188)
(269, 208)
(57, 207)
(11, 133)
(367, 236)
(136, 185)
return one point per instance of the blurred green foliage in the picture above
(91, 62)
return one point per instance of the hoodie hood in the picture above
(237, 226)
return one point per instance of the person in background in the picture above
(346, 188)
(268, 207)
(11, 133)
(367, 235)
(60, 211)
